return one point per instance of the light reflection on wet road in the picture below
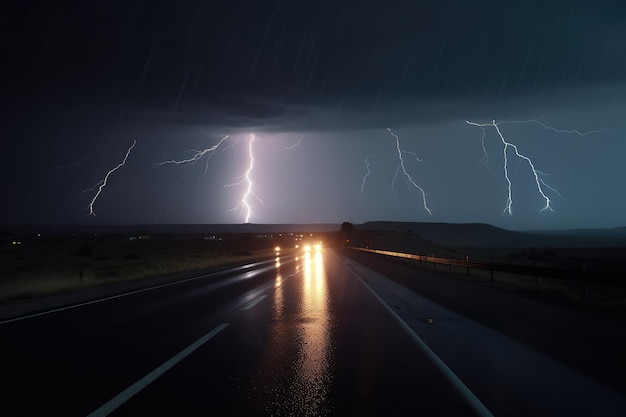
(304, 338)
(294, 376)
(278, 303)
(322, 345)
(297, 335)
(313, 379)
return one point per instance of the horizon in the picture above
(308, 226)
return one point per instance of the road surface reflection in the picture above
(294, 375)
(278, 293)
(313, 379)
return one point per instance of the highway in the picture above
(309, 334)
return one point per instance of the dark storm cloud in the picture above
(86, 78)
(240, 57)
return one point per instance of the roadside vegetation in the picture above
(41, 266)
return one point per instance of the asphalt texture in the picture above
(327, 333)
(590, 342)
(288, 337)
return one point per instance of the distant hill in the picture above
(617, 232)
(484, 235)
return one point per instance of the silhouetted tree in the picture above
(347, 227)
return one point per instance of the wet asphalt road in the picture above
(292, 336)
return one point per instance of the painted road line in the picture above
(114, 403)
(100, 300)
(465, 392)
(141, 290)
(254, 302)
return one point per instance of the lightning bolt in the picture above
(198, 154)
(367, 165)
(87, 190)
(414, 155)
(574, 131)
(244, 200)
(536, 173)
(289, 148)
(102, 183)
(234, 148)
(406, 174)
(554, 190)
(244, 205)
(485, 157)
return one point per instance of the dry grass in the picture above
(48, 283)
(44, 267)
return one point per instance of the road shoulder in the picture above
(496, 367)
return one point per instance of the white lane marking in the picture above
(254, 302)
(112, 405)
(465, 392)
(100, 300)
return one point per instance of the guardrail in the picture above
(582, 276)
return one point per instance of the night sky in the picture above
(318, 84)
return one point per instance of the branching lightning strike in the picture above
(295, 145)
(198, 154)
(244, 205)
(554, 190)
(409, 178)
(536, 173)
(414, 155)
(102, 183)
(485, 157)
(545, 126)
(367, 166)
(87, 190)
